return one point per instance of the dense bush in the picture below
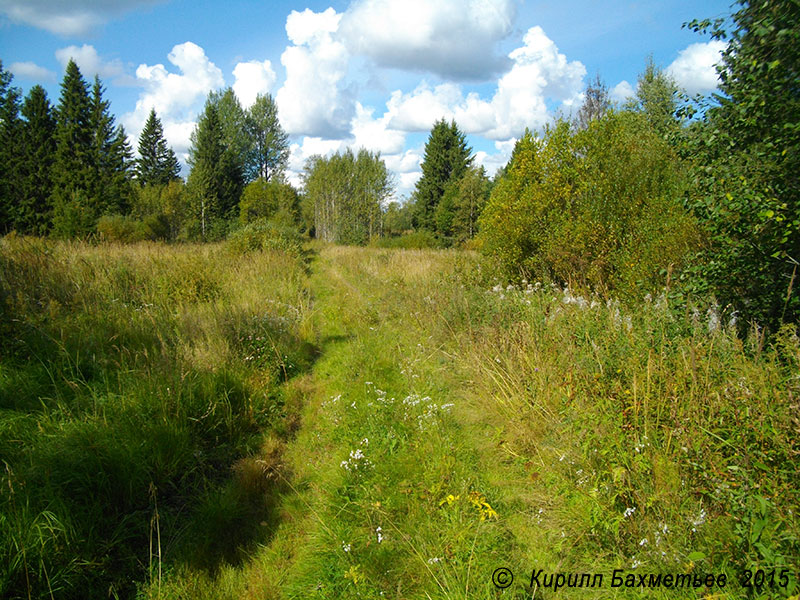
(600, 207)
(416, 240)
(273, 200)
(266, 235)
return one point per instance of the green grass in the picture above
(132, 381)
(403, 428)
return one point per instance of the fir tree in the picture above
(73, 166)
(215, 180)
(110, 192)
(38, 150)
(157, 163)
(10, 129)
(447, 157)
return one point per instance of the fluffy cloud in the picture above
(622, 91)
(89, 61)
(73, 18)
(375, 134)
(32, 71)
(252, 78)
(452, 38)
(492, 162)
(313, 100)
(694, 70)
(176, 97)
(539, 73)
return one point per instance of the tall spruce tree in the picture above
(447, 157)
(110, 191)
(73, 165)
(216, 179)
(38, 150)
(10, 142)
(269, 151)
(157, 163)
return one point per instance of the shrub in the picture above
(416, 240)
(601, 207)
(266, 235)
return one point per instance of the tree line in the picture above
(68, 169)
(698, 196)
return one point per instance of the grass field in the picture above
(186, 422)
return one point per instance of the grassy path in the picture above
(445, 431)
(390, 499)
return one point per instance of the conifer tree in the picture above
(38, 150)
(110, 191)
(73, 166)
(10, 129)
(447, 157)
(157, 163)
(215, 180)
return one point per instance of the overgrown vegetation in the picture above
(610, 382)
(141, 408)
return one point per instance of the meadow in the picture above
(193, 421)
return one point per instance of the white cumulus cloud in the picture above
(694, 70)
(313, 100)
(251, 79)
(375, 134)
(176, 97)
(452, 38)
(539, 73)
(89, 61)
(72, 18)
(31, 71)
(622, 91)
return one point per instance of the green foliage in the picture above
(446, 159)
(164, 204)
(600, 207)
(747, 162)
(73, 217)
(457, 213)
(34, 212)
(271, 200)
(415, 240)
(264, 234)
(657, 98)
(11, 128)
(110, 188)
(215, 182)
(398, 218)
(91, 167)
(157, 163)
(269, 143)
(127, 229)
(346, 192)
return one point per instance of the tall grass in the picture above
(448, 426)
(134, 383)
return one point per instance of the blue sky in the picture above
(372, 73)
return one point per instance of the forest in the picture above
(225, 385)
